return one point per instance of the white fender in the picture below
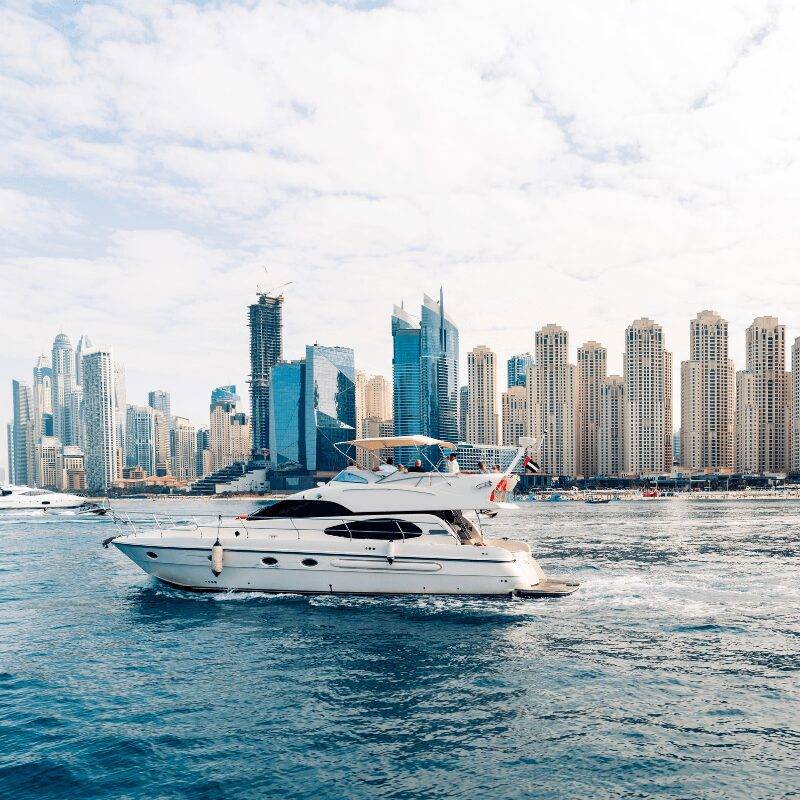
(216, 558)
(390, 552)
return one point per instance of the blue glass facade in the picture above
(330, 405)
(517, 366)
(287, 430)
(225, 394)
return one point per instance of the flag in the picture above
(530, 465)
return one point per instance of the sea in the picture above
(673, 672)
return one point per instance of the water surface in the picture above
(673, 672)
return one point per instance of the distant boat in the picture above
(596, 501)
(24, 498)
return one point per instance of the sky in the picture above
(579, 163)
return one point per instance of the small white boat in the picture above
(364, 532)
(23, 498)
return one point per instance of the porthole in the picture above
(269, 561)
(310, 562)
(151, 554)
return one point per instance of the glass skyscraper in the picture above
(517, 367)
(330, 405)
(425, 373)
(225, 394)
(287, 429)
(266, 350)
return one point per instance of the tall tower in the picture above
(63, 384)
(648, 420)
(555, 390)
(517, 368)
(795, 465)
(766, 360)
(22, 444)
(84, 344)
(100, 416)
(43, 396)
(707, 396)
(482, 382)
(610, 439)
(515, 414)
(141, 438)
(592, 367)
(265, 319)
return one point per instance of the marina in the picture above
(664, 673)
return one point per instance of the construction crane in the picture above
(272, 292)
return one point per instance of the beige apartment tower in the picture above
(708, 407)
(554, 423)
(515, 414)
(766, 361)
(610, 454)
(648, 397)
(592, 368)
(795, 450)
(482, 381)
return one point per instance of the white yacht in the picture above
(364, 532)
(24, 498)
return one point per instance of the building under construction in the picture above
(266, 350)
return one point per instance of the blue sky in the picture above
(585, 164)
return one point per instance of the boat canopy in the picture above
(401, 441)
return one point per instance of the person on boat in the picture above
(387, 468)
(496, 468)
(452, 464)
(482, 468)
(417, 466)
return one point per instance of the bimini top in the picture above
(401, 441)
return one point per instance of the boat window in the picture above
(310, 562)
(301, 509)
(269, 561)
(5, 492)
(34, 492)
(383, 529)
(349, 477)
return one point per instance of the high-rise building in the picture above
(463, 412)
(515, 414)
(747, 422)
(230, 435)
(120, 409)
(330, 405)
(225, 393)
(203, 452)
(159, 400)
(75, 420)
(287, 417)
(378, 398)
(22, 443)
(610, 437)
(482, 382)
(592, 368)
(556, 379)
(163, 444)
(648, 413)
(84, 344)
(48, 458)
(140, 435)
(183, 442)
(766, 360)
(63, 383)
(708, 396)
(10, 447)
(43, 396)
(361, 400)
(425, 373)
(677, 453)
(265, 319)
(795, 449)
(72, 469)
(100, 417)
(517, 367)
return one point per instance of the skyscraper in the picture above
(266, 349)
(140, 435)
(230, 434)
(766, 360)
(159, 400)
(747, 423)
(463, 412)
(361, 400)
(43, 396)
(517, 368)
(22, 445)
(287, 417)
(648, 416)
(406, 377)
(183, 443)
(482, 382)
(795, 451)
(610, 438)
(330, 405)
(707, 396)
(63, 383)
(515, 414)
(378, 398)
(592, 367)
(556, 380)
(99, 414)
(202, 452)
(84, 344)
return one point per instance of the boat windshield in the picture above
(345, 476)
(301, 509)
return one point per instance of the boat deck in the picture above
(548, 588)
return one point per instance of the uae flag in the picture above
(530, 465)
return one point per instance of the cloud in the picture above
(583, 163)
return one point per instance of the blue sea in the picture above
(673, 672)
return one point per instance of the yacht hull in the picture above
(482, 571)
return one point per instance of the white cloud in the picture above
(570, 162)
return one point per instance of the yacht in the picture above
(23, 498)
(383, 532)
